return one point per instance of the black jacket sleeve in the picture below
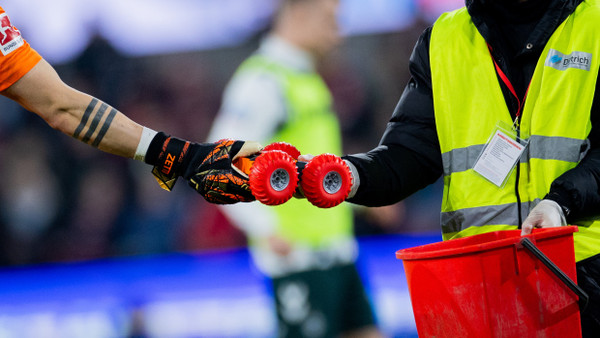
(578, 190)
(408, 157)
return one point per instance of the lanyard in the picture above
(508, 84)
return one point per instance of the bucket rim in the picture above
(422, 252)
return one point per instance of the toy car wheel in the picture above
(285, 147)
(273, 177)
(326, 181)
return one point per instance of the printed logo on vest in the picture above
(577, 60)
(10, 37)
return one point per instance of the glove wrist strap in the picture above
(167, 155)
(155, 148)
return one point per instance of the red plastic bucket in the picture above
(489, 285)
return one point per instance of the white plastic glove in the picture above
(547, 214)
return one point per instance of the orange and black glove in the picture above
(208, 167)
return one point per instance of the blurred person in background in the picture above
(308, 253)
(32, 82)
(523, 68)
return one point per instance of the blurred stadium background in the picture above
(90, 246)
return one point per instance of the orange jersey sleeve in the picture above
(16, 56)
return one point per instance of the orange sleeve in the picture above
(16, 55)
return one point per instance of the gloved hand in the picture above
(217, 179)
(207, 166)
(546, 214)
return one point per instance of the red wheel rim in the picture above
(273, 177)
(285, 147)
(326, 181)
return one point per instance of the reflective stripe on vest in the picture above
(542, 147)
(482, 216)
(469, 104)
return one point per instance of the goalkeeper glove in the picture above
(208, 167)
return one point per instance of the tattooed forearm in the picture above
(96, 111)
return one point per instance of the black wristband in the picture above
(155, 148)
(167, 154)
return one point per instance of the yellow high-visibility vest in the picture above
(469, 104)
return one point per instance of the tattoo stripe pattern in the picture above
(100, 109)
(86, 116)
(95, 122)
(105, 127)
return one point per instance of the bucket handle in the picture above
(583, 296)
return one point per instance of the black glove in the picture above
(217, 179)
(208, 167)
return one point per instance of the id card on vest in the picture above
(500, 155)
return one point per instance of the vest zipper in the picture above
(516, 126)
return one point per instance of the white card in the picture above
(498, 158)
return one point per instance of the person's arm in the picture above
(408, 157)
(574, 196)
(75, 113)
(31, 81)
(94, 122)
(577, 191)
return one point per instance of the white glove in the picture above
(355, 179)
(546, 214)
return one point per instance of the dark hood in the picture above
(518, 31)
(530, 21)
